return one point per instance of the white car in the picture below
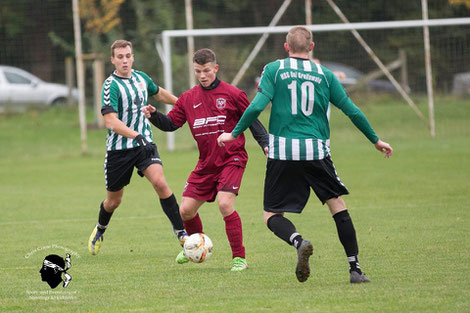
(20, 89)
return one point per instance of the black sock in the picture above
(347, 236)
(346, 232)
(284, 229)
(354, 264)
(172, 210)
(103, 218)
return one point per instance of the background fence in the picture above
(38, 35)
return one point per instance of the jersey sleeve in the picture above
(177, 115)
(152, 88)
(337, 92)
(340, 99)
(257, 106)
(267, 81)
(242, 101)
(109, 97)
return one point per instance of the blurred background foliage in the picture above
(37, 35)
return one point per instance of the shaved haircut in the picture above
(299, 39)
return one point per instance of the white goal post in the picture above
(165, 51)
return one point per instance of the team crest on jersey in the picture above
(220, 103)
(138, 101)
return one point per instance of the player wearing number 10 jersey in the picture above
(299, 146)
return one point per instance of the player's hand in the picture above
(148, 110)
(142, 142)
(223, 138)
(384, 147)
(266, 151)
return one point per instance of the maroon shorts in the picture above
(206, 186)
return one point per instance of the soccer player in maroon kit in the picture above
(211, 108)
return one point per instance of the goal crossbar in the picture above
(315, 28)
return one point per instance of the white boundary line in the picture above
(90, 219)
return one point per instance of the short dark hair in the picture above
(203, 56)
(299, 39)
(120, 44)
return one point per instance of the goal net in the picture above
(398, 45)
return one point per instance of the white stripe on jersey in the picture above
(307, 66)
(281, 67)
(125, 114)
(142, 121)
(321, 155)
(293, 63)
(282, 148)
(295, 149)
(271, 146)
(320, 71)
(132, 109)
(309, 148)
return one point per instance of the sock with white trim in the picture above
(103, 219)
(347, 236)
(284, 229)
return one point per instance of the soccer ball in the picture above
(198, 247)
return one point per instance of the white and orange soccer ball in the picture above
(198, 247)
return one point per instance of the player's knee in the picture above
(112, 204)
(226, 207)
(266, 218)
(186, 214)
(160, 186)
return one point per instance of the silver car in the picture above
(20, 89)
(349, 76)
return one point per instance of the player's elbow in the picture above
(109, 125)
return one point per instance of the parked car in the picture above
(461, 84)
(349, 76)
(19, 89)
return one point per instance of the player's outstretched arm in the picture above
(112, 122)
(148, 110)
(384, 147)
(165, 96)
(160, 120)
(260, 134)
(223, 138)
(249, 116)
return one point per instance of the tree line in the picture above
(37, 35)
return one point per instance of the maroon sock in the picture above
(233, 228)
(194, 225)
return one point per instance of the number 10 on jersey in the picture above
(307, 90)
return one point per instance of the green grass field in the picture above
(411, 214)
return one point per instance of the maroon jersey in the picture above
(209, 113)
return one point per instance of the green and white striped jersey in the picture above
(126, 97)
(301, 91)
